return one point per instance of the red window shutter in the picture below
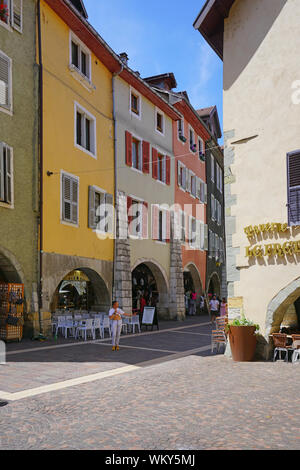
(129, 212)
(145, 220)
(168, 170)
(155, 213)
(128, 148)
(146, 157)
(154, 163)
(168, 226)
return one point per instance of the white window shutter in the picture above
(74, 201)
(109, 209)
(66, 198)
(188, 180)
(5, 65)
(205, 237)
(17, 15)
(9, 176)
(1, 171)
(92, 211)
(184, 177)
(198, 235)
(178, 173)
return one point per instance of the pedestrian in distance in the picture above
(223, 308)
(214, 306)
(115, 315)
(202, 303)
(193, 302)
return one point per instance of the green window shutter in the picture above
(17, 15)
(92, 210)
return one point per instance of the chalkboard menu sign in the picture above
(149, 317)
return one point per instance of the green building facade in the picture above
(19, 128)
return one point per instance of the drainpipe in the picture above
(115, 170)
(41, 151)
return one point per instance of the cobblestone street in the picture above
(162, 390)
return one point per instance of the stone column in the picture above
(122, 289)
(176, 304)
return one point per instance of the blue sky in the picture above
(159, 37)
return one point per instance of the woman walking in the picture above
(115, 314)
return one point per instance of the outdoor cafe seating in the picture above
(84, 325)
(285, 344)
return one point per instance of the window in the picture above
(202, 192)
(160, 223)
(137, 219)
(11, 14)
(213, 207)
(136, 154)
(70, 198)
(181, 177)
(160, 122)
(6, 174)
(180, 130)
(5, 82)
(100, 210)
(80, 58)
(193, 185)
(192, 141)
(135, 104)
(161, 168)
(201, 149)
(212, 161)
(193, 232)
(85, 130)
(135, 108)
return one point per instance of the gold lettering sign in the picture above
(273, 249)
(253, 230)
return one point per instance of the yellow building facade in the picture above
(77, 163)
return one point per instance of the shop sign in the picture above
(288, 248)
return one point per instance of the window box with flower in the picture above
(4, 12)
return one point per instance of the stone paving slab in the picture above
(44, 367)
(189, 403)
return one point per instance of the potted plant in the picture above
(242, 338)
(3, 12)
(181, 137)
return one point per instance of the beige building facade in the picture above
(258, 41)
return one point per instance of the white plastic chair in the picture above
(60, 325)
(69, 325)
(85, 326)
(98, 326)
(135, 321)
(106, 324)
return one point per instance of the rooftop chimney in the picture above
(124, 58)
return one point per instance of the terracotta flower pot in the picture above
(242, 342)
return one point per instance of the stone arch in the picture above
(214, 284)
(102, 300)
(162, 283)
(10, 268)
(192, 268)
(11, 271)
(279, 305)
